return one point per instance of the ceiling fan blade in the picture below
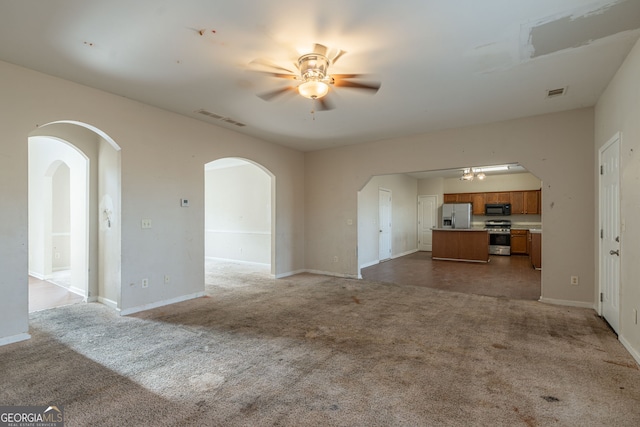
(337, 56)
(268, 96)
(278, 75)
(324, 104)
(346, 76)
(320, 49)
(267, 63)
(373, 86)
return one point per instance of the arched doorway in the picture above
(92, 242)
(238, 216)
(58, 204)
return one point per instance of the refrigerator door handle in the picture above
(453, 220)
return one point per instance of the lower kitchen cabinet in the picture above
(535, 250)
(460, 245)
(519, 242)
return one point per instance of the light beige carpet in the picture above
(312, 350)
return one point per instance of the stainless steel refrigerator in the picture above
(456, 215)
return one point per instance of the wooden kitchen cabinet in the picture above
(525, 202)
(519, 242)
(464, 197)
(461, 245)
(535, 250)
(522, 202)
(478, 201)
(494, 197)
(532, 202)
(450, 198)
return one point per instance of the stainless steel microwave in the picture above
(497, 209)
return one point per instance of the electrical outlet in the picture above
(145, 223)
(574, 280)
(167, 279)
(145, 283)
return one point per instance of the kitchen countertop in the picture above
(535, 230)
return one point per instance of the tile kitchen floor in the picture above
(504, 276)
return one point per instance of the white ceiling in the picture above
(442, 63)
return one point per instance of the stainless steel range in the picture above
(499, 236)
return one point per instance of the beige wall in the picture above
(557, 148)
(618, 110)
(404, 219)
(511, 182)
(162, 160)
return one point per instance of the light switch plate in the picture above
(184, 203)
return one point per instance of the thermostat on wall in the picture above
(184, 203)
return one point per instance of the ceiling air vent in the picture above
(552, 93)
(219, 117)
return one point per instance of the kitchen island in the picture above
(460, 244)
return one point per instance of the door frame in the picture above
(615, 139)
(421, 210)
(390, 226)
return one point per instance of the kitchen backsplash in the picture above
(517, 221)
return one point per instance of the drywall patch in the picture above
(582, 28)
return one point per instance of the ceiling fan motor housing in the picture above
(313, 66)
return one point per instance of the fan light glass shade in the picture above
(313, 89)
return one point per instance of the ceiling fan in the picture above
(313, 77)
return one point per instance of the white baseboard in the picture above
(109, 303)
(144, 307)
(634, 353)
(76, 291)
(333, 274)
(369, 264)
(289, 273)
(376, 262)
(238, 261)
(36, 275)
(568, 303)
(14, 338)
(412, 251)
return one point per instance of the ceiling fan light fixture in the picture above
(313, 65)
(313, 89)
(467, 175)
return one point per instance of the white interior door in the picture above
(610, 232)
(427, 219)
(384, 222)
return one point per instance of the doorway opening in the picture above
(239, 219)
(609, 244)
(74, 216)
(58, 232)
(417, 207)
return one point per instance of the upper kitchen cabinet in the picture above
(457, 198)
(525, 202)
(478, 202)
(476, 199)
(503, 197)
(464, 197)
(450, 198)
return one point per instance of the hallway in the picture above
(504, 276)
(44, 295)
